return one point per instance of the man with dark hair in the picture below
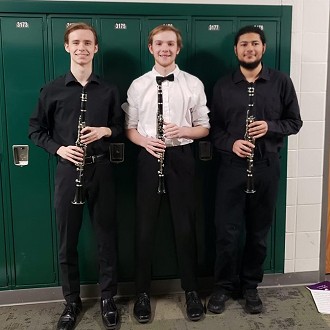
(82, 97)
(252, 111)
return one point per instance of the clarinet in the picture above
(79, 193)
(250, 119)
(160, 135)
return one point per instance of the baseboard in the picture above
(158, 287)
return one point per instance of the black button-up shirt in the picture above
(55, 120)
(275, 102)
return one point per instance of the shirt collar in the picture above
(70, 78)
(175, 71)
(264, 74)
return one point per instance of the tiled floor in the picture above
(285, 308)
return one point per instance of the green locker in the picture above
(32, 221)
(120, 51)
(210, 57)
(212, 49)
(3, 263)
(4, 276)
(120, 42)
(32, 53)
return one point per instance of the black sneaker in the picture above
(216, 303)
(253, 303)
(195, 308)
(142, 308)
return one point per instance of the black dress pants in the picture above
(236, 212)
(179, 170)
(100, 198)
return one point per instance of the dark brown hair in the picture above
(79, 26)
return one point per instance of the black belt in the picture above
(88, 159)
(95, 158)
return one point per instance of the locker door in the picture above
(180, 23)
(3, 261)
(212, 56)
(31, 210)
(3, 255)
(212, 49)
(120, 52)
(59, 65)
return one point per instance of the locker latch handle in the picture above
(21, 154)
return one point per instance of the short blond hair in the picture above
(163, 28)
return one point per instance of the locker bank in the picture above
(32, 53)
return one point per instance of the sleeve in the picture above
(200, 112)
(131, 108)
(220, 137)
(290, 121)
(116, 117)
(40, 124)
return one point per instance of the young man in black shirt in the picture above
(252, 111)
(54, 127)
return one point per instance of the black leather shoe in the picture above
(216, 303)
(69, 316)
(195, 308)
(109, 312)
(142, 309)
(253, 303)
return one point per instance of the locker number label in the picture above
(22, 25)
(120, 26)
(214, 27)
(260, 26)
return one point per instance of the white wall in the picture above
(306, 150)
(309, 54)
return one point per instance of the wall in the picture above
(304, 239)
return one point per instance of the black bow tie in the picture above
(160, 79)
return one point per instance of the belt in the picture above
(95, 158)
(88, 159)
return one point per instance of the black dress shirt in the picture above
(275, 102)
(55, 120)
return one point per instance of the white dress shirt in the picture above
(184, 104)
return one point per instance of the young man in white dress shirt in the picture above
(185, 117)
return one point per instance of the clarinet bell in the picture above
(250, 184)
(79, 196)
(161, 185)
